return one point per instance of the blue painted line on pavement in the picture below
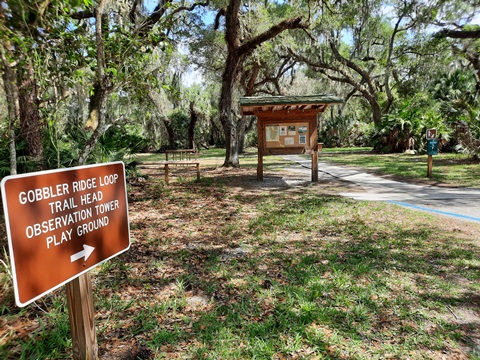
(433, 210)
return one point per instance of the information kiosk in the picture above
(287, 125)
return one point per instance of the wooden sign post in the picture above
(70, 221)
(429, 165)
(81, 314)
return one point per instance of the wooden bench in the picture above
(175, 158)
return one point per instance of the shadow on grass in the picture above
(339, 288)
(286, 272)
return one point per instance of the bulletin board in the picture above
(285, 135)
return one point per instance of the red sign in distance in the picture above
(62, 223)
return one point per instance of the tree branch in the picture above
(190, 8)
(99, 41)
(160, 11)
(133, 10)
(458, 34)
(232, 25)
(345, 77)
(220, 13)
(294, 23)
(80, 15)
(350, 64)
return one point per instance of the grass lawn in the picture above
(448, 169)
(230, 268)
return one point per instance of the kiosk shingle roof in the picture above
(319, 102)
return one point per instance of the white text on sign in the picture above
(86, 201)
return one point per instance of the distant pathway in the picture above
(460, 203)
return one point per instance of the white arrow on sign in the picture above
(86, 252)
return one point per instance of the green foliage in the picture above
(120, 141)
(343, 131)
(63, 52)
(4, 156)
(203, 105)
(179, 120)
(24, 163)
(62, 147)
(6, 282)
(51, 340)
(455, 87)
(459, 107)
(405, 126)
(251, 139)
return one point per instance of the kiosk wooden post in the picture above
(315, 166)
(261, 150)
(81, 314)
(314, 141)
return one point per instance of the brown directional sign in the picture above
(62, 223)
(431, 134)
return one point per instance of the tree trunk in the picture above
(92, 143)
(11, 94)
(30, 126)
(214, 132)
(95, 105)
(101, 90)
(241, 130)
(170, 134)
(231, 146)
(376, 112)
(191, 126)
(95, 121)
(238, 50)
(244, 126)
(225, 108)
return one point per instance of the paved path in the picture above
(460, 203)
